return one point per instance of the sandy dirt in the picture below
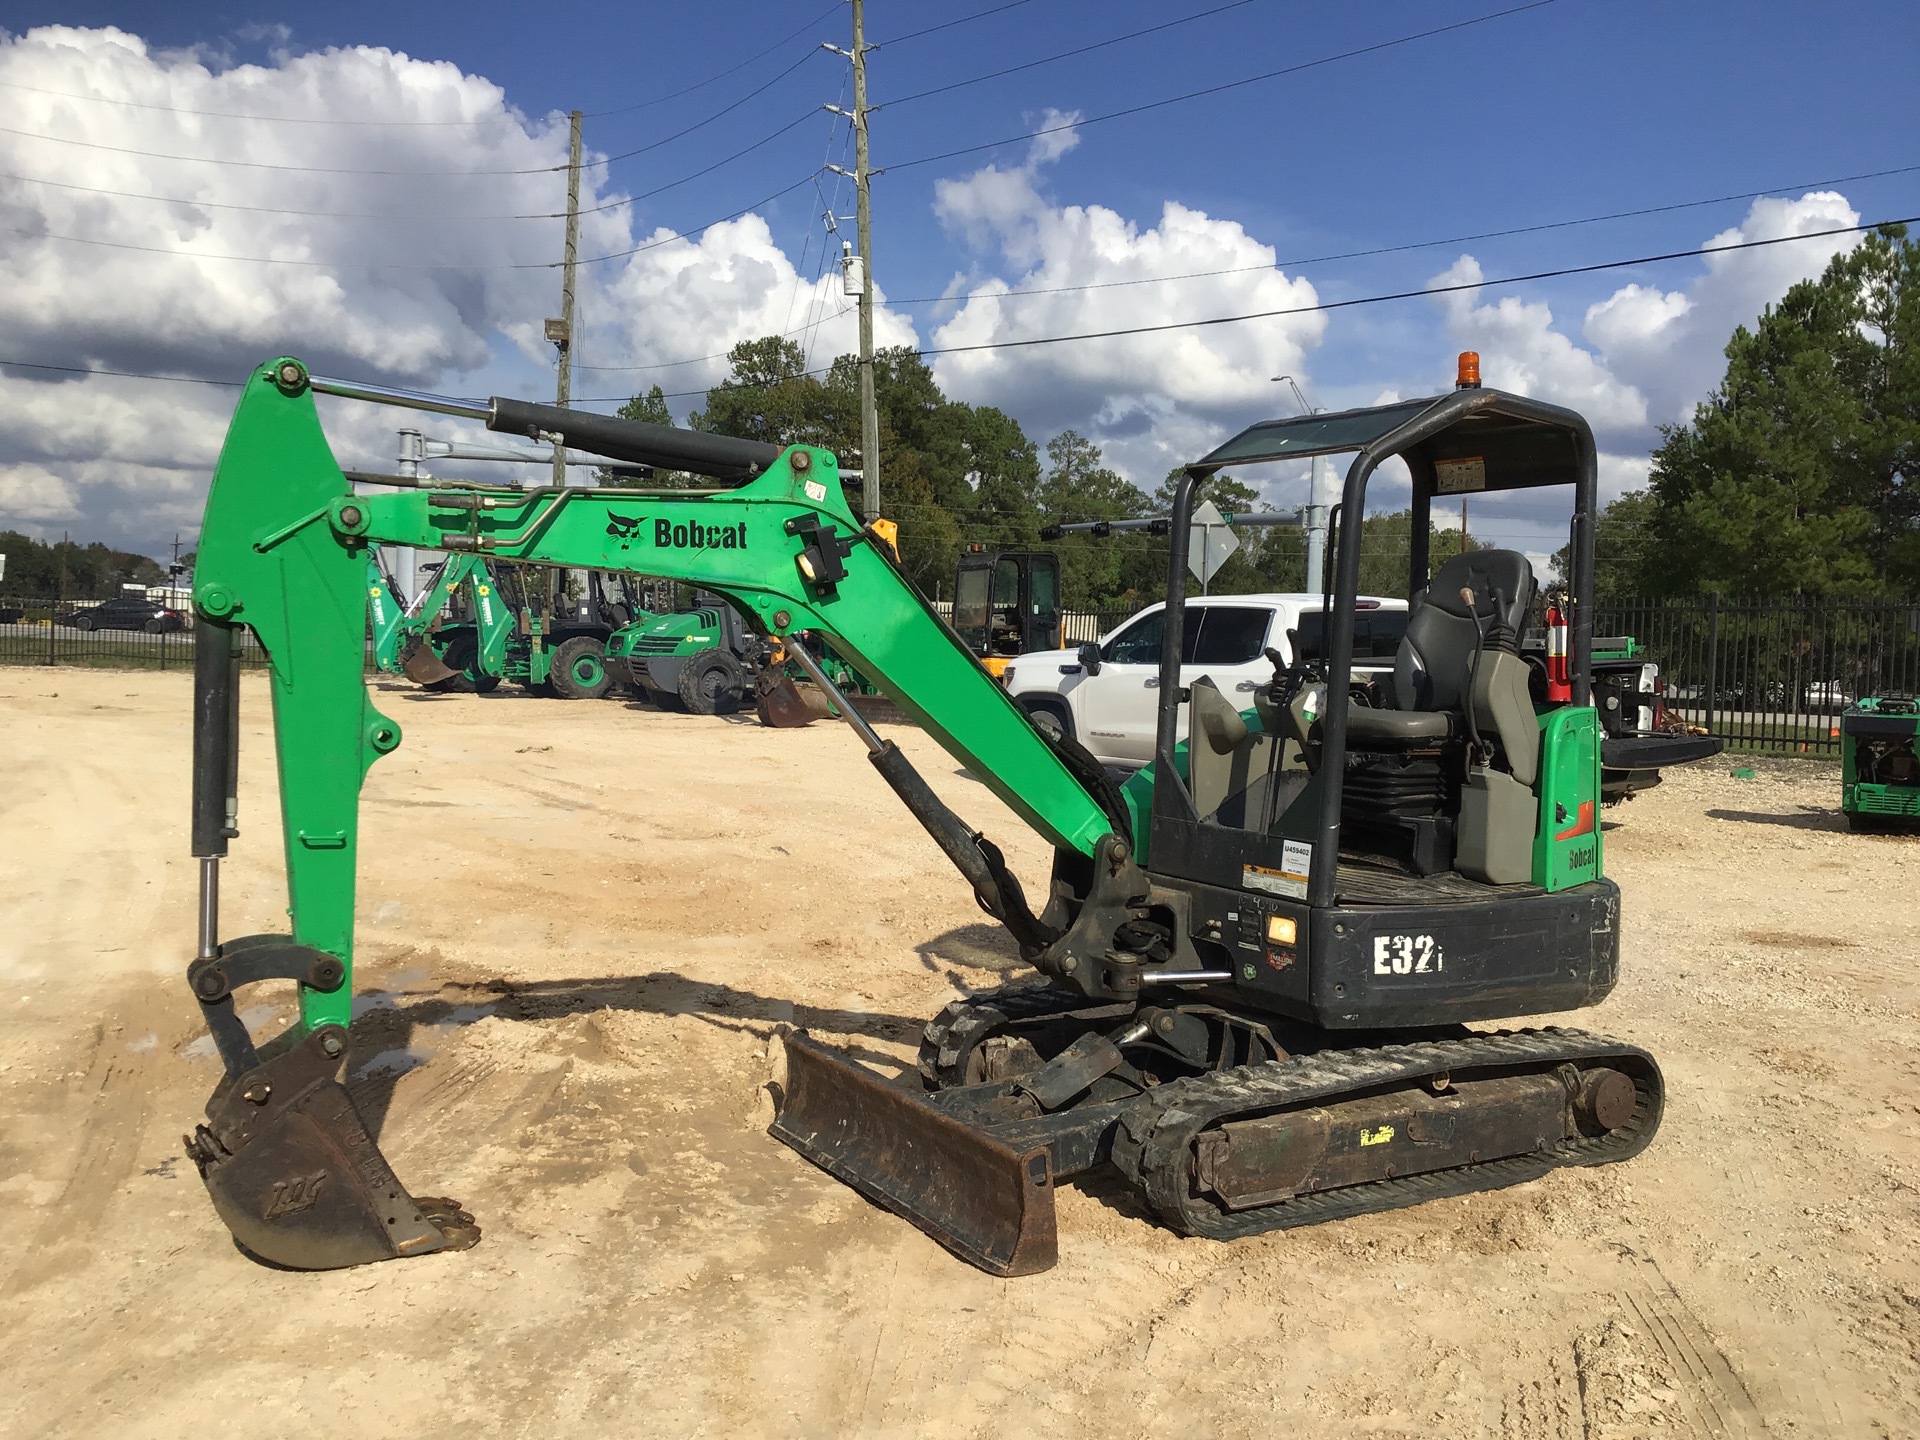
(580, 927)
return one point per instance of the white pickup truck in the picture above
(1103, 694)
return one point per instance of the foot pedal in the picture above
(296, 1177)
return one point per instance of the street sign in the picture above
(1210, 544)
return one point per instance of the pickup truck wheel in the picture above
(1050, 718)
(580, 669)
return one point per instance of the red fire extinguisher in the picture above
(1559, 680)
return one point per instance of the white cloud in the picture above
(1672, 342)
(1650, 355)
(1521, 351)
(694, 297)
(1152, 400)
(389, 271)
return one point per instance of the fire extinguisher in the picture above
(1559, 681)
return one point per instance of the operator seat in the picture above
(1440, 666)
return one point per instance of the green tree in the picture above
(1799, 472)
(769, 396)
(1098, 573)
(91, 571)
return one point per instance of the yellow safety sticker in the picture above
(1379, 1135)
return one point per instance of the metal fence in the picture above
(1772, 674)
(35, 630)
(1077, 627)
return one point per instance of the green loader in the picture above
(1880, 763)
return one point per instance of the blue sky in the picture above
(1560, 111)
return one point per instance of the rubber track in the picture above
(963, 1024)
(1154, 1143)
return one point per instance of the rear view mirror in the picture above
(1090, 658)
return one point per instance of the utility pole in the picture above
(1319, 503)
(560, 331)
(860, 268)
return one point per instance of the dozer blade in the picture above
(988, 1203)
(783, 704)
(297, 1178)
(423, 666)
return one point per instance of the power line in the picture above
(702, 84)
(417, 124)
(402, 265)
(949, 24)
(794, 123)
(684, 234)
(1065, 54)
(1226, 85)
(1301, 262)
(1414, 294)
(719, 355)
(274, 259)
(724, 110)
(1456, 288)
(231, 115)
(265, 164)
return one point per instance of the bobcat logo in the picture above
(292, 1196)
(624, 527)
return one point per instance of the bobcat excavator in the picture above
(1252, 1008)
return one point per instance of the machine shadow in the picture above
(982, 946)
(381, 1042)
(1808, 817)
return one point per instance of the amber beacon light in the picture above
(1469, 376)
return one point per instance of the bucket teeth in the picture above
(297, 1178)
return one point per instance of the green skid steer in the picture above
(1250, 1010)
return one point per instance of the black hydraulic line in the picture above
(724, 457)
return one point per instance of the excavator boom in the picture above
(283, 553)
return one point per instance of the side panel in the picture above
(1567, 844)
(1442, 964)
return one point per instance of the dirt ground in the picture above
(581, 924)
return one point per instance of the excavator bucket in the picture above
(785, 705)
(296, 1177)
(423, 666)
(987, 1202)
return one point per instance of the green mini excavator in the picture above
(1259, 966)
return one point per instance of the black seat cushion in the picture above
(1370, 729)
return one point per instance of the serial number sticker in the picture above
(1454, 477)
(1407, 955)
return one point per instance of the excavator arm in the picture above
(284, 553)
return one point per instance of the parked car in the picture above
(1103, 694)
(127, 612)
(11, 614)
(1828, 695)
